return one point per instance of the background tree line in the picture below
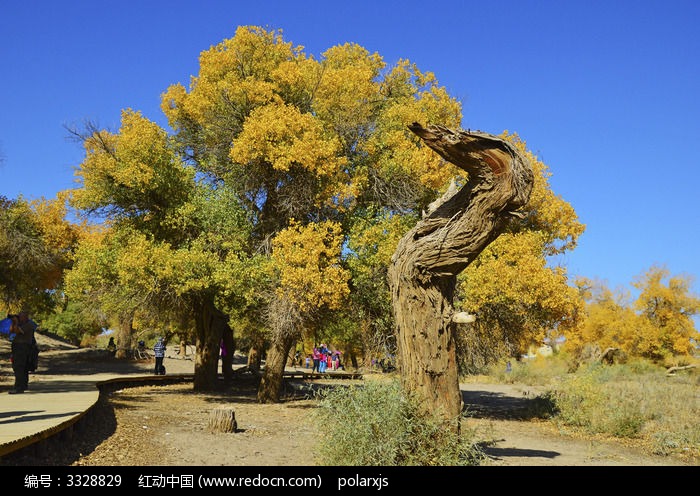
(269, 212)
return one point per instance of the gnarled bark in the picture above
(424, 268)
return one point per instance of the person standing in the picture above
(322, 360)
(317, 360)
(21, 351)
(159, 352)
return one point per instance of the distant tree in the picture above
(36, 247)
(307, 263)
(667, 305)
(165, 246)
(75, 323)
(609, 321)
(658, 325)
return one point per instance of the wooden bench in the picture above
(316, 375)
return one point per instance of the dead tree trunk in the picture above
(255, 352)
(424, 268)
(673, 370)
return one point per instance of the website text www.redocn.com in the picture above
(259, 481)
(355, 481)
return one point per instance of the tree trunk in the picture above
(227, 360)
(209, 326)
(673, 370)
(424, 268)
(124, 332)
(368, 350)
(183, 347)
(255, 352)
(285, 322)
(270, 387)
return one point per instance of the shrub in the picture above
(578, 400)
(375, 424)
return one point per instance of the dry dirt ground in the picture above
(168, 425)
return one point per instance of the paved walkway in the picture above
(53, 404)
(56, 401)
(64, 389)
(46, 408)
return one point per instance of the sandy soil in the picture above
(168, 425)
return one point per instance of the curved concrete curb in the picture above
(56, 406)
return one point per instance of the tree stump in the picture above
(222, 419)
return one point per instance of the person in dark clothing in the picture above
(21, 351)
(159, 352)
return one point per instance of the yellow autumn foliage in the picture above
(135, 171)
(280, 113)
(283, 136)
(658, 325)
(609, 321)
(667, 303)
(518, 299)
(56, 231)
(307, 259)
(373, 240)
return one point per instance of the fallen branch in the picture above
(673, 370)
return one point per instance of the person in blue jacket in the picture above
(159, 351)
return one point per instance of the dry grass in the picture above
(634, 401)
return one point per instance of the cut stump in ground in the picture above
(223, 419)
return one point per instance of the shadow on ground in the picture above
(500, 406)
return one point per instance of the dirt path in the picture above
(500, 414)
(135, 423)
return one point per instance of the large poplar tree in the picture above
(307, 140)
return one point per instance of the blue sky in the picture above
(604, 92)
